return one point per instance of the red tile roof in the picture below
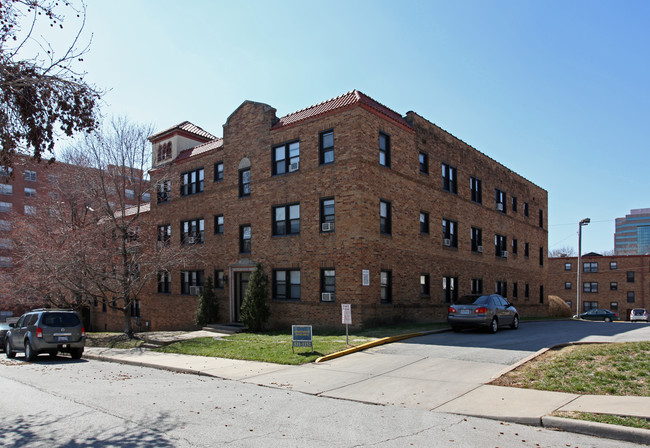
(187, 127)
(340, 102)
(200, 149)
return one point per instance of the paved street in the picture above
(65, 403)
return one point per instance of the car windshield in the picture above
(61, 320)
(472, 300)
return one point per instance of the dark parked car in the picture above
(4, 327)
(489, 311)
(599, 314)
(46, 331)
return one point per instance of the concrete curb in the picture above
(634, 435)
(148, 365)
(381, 341)
(520, 363)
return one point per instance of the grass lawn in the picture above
(633, 422)
(276, 347)
(598, 369)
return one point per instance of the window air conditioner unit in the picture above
(504, 254)
(500, 207)
(327, 226)
(327, 297)
(191, 240)
(446, 242)
(479, 249)
(294, 166)
(196, 290)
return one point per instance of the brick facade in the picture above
(357, 182)
(616, 289)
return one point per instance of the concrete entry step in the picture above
(225, 328)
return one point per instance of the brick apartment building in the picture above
(24, 188)
(346, 201)
(619, 282)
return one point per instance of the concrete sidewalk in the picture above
(359, 377)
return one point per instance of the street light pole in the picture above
(584, 222)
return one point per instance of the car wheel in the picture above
(494, 326)
(608, 319)
(9, 350)
(30, 355)
(76, 353)
(515, 322)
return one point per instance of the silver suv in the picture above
(46, 331)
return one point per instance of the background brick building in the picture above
(619, 283)
(346, 201)
(26, 189)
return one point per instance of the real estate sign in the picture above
(301, 336)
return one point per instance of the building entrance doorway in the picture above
(240, 285)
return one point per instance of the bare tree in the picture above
(42, 95)
(564, 251)
(92, 238)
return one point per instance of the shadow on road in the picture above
(36, 431)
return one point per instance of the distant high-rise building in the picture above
(632, 236)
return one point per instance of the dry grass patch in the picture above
(597, 369)
(111, 340)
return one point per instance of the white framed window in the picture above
(192, 282)
(164, 282)
(192, 182)
(384, 149)
(30, 176)
(500, 246)
(327, 284)
(193, 231)
(286, 220)
(449, 233)
(30, 210)
(5, 207)
(286, 158)
(286, 284)
(449, 178)
(326, 147)
(6, 189)
(500, 200)
(386, 286)
(475, 187)
(30, 192)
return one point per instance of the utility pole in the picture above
(584, 222)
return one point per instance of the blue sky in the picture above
(557, 91)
